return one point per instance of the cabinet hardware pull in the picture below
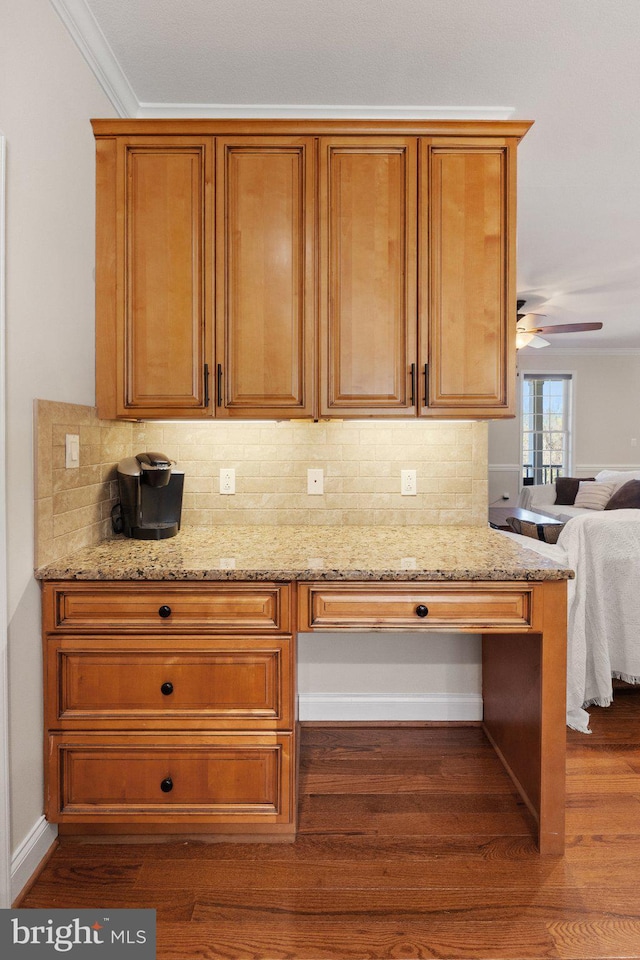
(426, 384)
(206, 384)
(164, 611)
(413, 385)
(219, 384)
(167, 688)
(421, 610)
(166, 785)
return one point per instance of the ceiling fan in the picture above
(527, 332)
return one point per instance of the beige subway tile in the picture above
(78, 497)
(363, 451)
(342, 468)
(73, 520)
(114, 452)
(378, 468)
(198, 484)
(43, 475)
(276, 468)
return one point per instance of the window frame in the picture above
(569, 376)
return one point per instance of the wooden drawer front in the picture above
(137, 778)
(234, 682)
(367, 607)
(168, 607)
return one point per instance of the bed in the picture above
(603, 629)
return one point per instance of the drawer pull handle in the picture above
(421, 610)
(164, 611)
(166, 785)
(167, 688)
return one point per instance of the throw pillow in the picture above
(567, 488)
(625, 497)
(594, 495)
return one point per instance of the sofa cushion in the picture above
(594, 495)
(625, 497)
(619, 477)
(567, 488)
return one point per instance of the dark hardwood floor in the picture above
(412, 844)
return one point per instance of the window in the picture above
(546, 433)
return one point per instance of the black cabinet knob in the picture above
(166, 785)
(167, 688)
(164, 611)
(421, 610)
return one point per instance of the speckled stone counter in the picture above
(285, 553)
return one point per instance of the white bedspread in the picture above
(603, 630)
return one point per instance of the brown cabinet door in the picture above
(368, 313)
(467, 258)
(154, 296)
(265, 223)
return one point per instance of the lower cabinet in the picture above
(176, 723)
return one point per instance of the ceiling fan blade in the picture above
(567, 328)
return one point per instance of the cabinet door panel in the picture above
(164, 251)
(368, 254)
(265, 306)
(467, 265)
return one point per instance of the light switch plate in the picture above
(72, 451)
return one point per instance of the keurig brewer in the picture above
(150, 487)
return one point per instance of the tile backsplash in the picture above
(361, 460)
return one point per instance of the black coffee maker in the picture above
(150, 487)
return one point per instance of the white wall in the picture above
(606, 395)
(48, 96)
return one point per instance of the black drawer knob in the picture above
(421, 610)
(167, 688)
(166, 785)
(164, 611)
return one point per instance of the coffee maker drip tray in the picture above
(156, 531)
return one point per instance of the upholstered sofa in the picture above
(572, 496)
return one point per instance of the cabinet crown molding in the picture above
(311, 127)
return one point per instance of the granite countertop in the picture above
(281, 553)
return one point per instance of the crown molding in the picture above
(94, 47)
(312, 111)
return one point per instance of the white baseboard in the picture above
(386, 707)
(31, 851)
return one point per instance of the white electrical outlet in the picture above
(72, 451)
(408, 483)
(227, 480)
(315, 481)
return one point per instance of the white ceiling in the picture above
(572, 66)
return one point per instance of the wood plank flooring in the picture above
(412, 844)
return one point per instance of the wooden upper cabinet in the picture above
(467, 276)
(265, 280)
(356, 268)
(368, 196)
(153, 276)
